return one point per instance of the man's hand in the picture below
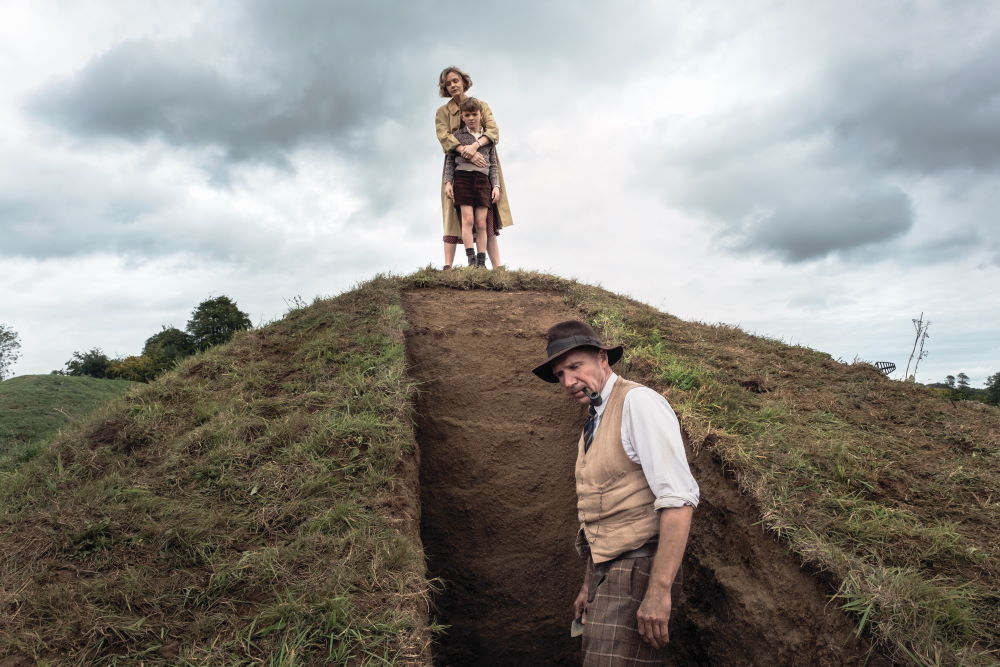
(449, 191)
(653, 616)
(654, 612)
(580, 603)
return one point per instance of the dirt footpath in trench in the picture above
(497, 449)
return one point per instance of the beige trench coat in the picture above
(446, 121)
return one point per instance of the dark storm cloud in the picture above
(143, 90)
(136, 225)
(250, 85)
(830, 167)
(925, 116)
(776, 191)
(269, 77)
(825, 168)
(810, 228)
(257, 81)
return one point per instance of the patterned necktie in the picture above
(588, 428)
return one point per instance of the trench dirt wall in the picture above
(497, 448)
(496, 481)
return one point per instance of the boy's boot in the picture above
(481, 259)
(470, 254)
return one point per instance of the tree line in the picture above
(216, 321)
(957, 388)
(10, 349)
(213, 321)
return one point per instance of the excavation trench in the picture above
(498, 510)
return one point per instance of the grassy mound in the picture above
(253, 504)
(34, 407)
(258, 504)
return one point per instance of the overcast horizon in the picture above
(821, 173)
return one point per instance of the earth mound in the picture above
(498, 500)
(334, 487)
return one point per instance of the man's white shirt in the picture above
(651, 437)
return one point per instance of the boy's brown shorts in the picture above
(472, 188)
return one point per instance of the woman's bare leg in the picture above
(449, 253)
(493, 248)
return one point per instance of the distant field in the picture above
(34, 407)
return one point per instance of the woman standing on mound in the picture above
(455, 83)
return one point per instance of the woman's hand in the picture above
(471, 153)
(449, 191)
(496, 194)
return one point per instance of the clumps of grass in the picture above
(907, 600)
(246, 507)
(653, 354)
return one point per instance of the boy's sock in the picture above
(481, 259)
(470, 254)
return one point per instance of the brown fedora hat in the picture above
(567, 336)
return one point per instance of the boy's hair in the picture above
(471, 104)
(466, 79)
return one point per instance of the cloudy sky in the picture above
(817, 172)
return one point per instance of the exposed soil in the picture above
(746, 600)
(497, 490)
(497, 447)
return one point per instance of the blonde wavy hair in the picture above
(466, 79)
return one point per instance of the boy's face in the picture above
(472, 119)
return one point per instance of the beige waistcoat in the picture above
(614, 502)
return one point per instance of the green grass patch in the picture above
(34, 407)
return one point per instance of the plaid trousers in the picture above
(611, 633)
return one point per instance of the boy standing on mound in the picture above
(473, 189)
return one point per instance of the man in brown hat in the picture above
(635, 498)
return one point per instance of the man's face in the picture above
(581, 370)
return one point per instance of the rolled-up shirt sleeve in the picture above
(651, 435)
